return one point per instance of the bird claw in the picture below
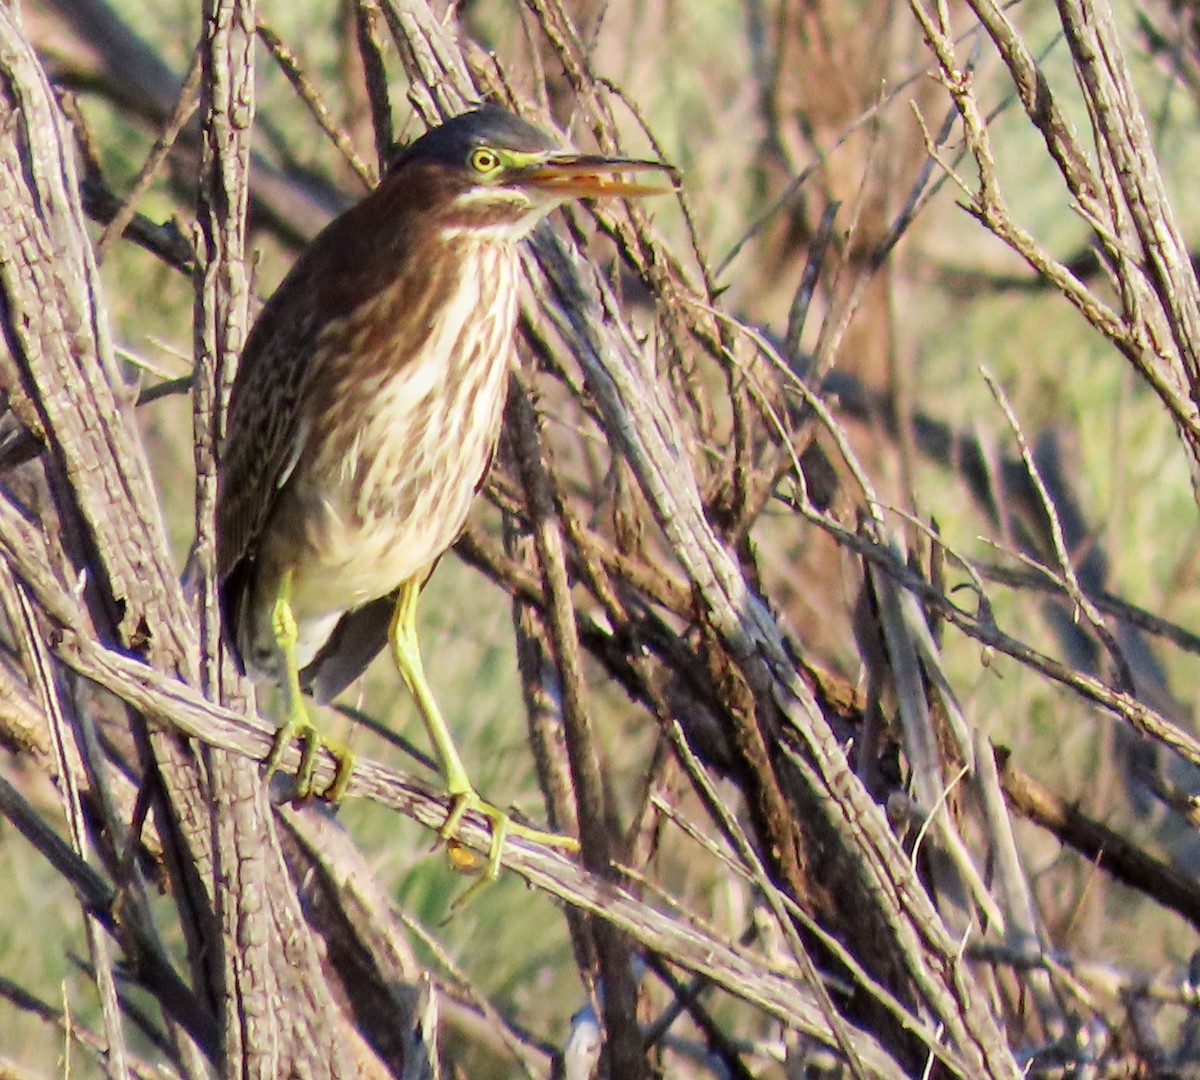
(503, 827)
(303, 731)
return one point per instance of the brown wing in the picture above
(264, 435)
(262, 428)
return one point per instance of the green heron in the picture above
(364, 415)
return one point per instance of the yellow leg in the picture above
(463, 796)
(298, 725)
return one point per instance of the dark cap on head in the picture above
(487, 125)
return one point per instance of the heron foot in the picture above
(299, 726)
(302, 730)
(503, 826)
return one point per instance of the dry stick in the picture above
(440, 83)
(798, 312)
(1117, 117)
(1022, 929)
(289, 64)
(222, 288)
(533, 56)
(251, 1031)
(370, 48)
(166, 242)
(151, 1037)
(20, 998)
(266, 946)
(173, 704)
(915, 662)
(152, 968)
(1133, 334)
(110, 1007)
(587, 555)
(1178, 797)
(185, 106)
(542, 694)
(1097, 843)
(22, 725)
(543, 697)
(1039, 103)
(61, 357)
(467, 988)
(772, 894)
(643, 428)
(721, 816)
(1080, 601)
(71, 375)
(619, 1004)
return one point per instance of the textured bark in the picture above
(280, 1018)
(60, 380)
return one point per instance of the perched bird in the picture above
(364, 415)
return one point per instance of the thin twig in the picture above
(1082, 605)
(772, 895)
(185, 107)
(102, 966)
(289, 64)
(367, 17)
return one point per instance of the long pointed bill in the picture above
(587, 176)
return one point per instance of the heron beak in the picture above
(584, 176)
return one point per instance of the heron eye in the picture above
(484, 160)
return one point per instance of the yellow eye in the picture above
(484, 160)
